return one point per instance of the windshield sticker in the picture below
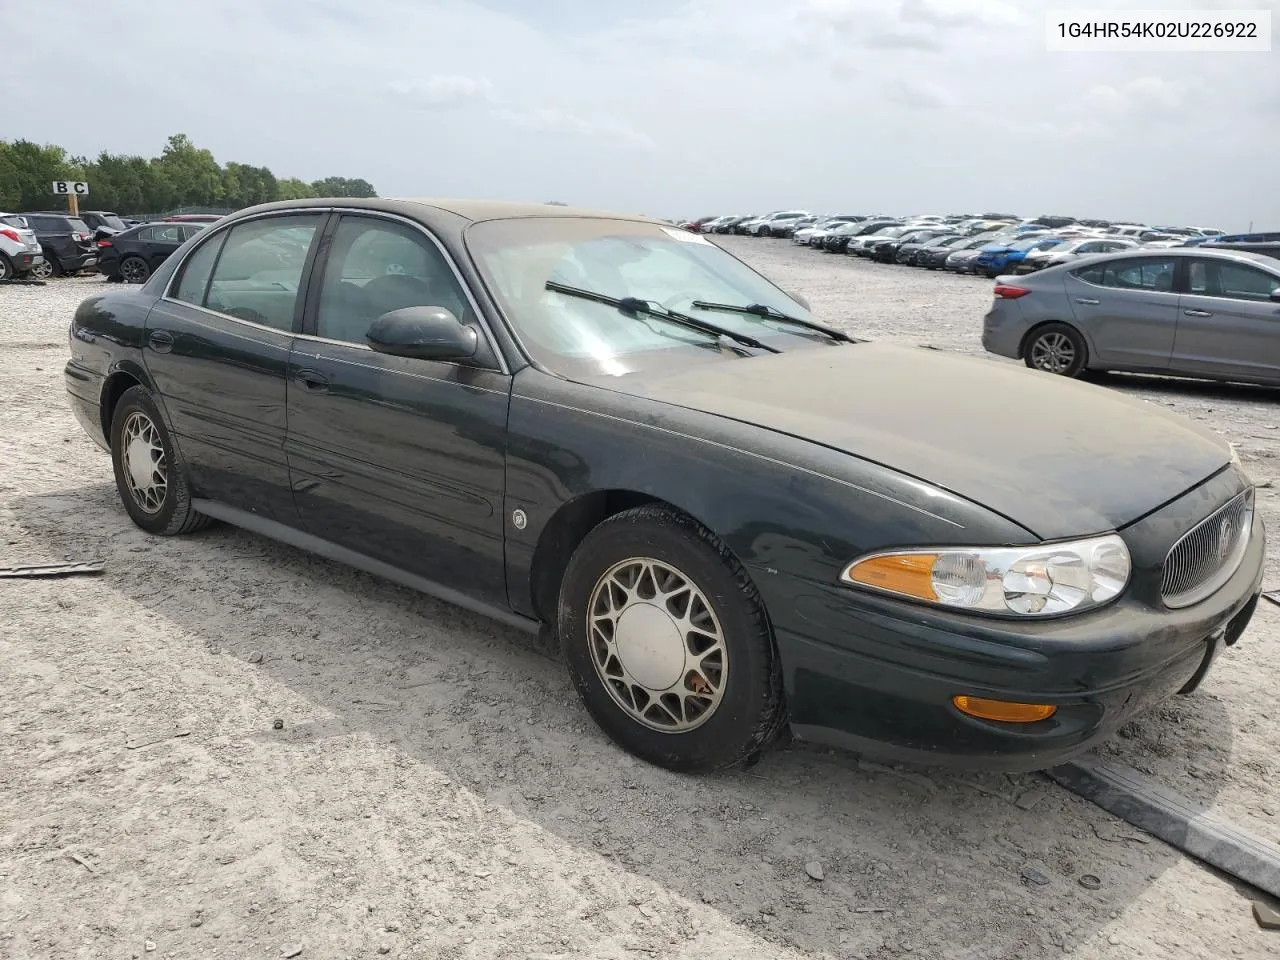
(684, 236)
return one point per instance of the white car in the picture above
(764, 226)
(1084, 246)
(19, 248)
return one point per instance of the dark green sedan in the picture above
(726, 516)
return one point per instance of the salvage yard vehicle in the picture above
(20, 252)
(132, 255)
(1187, 311)
(613, 432)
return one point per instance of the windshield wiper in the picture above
(771, 313)
(632, 306)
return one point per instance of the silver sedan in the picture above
(1189, 312)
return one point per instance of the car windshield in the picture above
(619, 258)
(113, 222)
(1026, 244)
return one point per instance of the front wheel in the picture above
(1056, 348)
(42, 270)
(668, 643)
(149, 473)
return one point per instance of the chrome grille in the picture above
(1208, 554)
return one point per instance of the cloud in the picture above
(1141, 96)
(550, 120)
(444, 91)
(919, 96)
(958, 13)
(899, 38)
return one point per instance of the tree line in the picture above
(184, 175)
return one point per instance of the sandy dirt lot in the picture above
(436, 790)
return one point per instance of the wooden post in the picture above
(73, 204)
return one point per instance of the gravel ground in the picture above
(436, 791)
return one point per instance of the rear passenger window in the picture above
(197, 270)
(258, 275)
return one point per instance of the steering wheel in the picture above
(246, 313)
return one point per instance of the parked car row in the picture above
(41, 244)
(989, 244)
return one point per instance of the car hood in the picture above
(1059, 457)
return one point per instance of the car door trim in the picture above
(405, 373)
(318, 276)
(750, 453)
(345, 555)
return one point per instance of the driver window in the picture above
(376, 266)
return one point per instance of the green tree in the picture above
(343, 187)
(293, 189)
(183, 175)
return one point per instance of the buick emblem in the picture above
(1224, 540)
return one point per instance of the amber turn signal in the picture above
(909, 574)
(1004, 710)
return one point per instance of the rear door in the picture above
(218, 352)
(1229, 324)
(163, 240)
(1128, 308)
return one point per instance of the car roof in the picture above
(473, 211)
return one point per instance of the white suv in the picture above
(19, 248)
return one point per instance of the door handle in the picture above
(312, 381)
(161, 341)
(1087, 302)
(1197, 313)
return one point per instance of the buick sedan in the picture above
(726, 516)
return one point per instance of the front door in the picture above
(399, 459)
(1229, 325)
(217, 348)
(1130, 309)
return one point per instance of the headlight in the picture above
(1238, 463)
(1037, 581)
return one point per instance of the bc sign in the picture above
(66, 188)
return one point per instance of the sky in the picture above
(671, 108)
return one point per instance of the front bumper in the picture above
(876, 675)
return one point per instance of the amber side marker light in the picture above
(1004, 710)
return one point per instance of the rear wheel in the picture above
(6, 269)
(134, 270)
(1056, 348)
(668, 643)
(150, 476)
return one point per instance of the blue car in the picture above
(997, 258)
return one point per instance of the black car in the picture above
(102, 223)
(886, 250)
(666, 482)
(934, 257)
(66, 242)
(131, 256)
(909, 253)
(838, 240)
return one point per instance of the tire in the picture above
(6, 269)
(134, 270)
(654, 549)
(1056, 348)
(43, 270)
(165, 511)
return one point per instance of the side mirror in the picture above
(1275, 295)
(423, 333)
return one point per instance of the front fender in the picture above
(782, 505)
